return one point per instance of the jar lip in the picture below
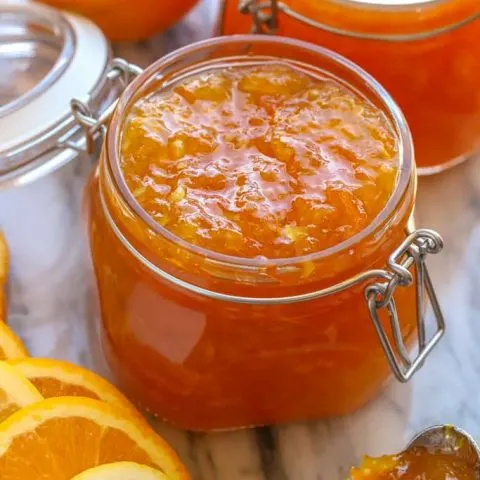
(393, 22)
(406, 153)
(394, 6)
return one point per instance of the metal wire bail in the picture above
(94, 127)
(380, 296)
(264, 14)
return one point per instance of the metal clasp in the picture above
(264, 14)
(94, 127)
(380, 296)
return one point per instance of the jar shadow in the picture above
(313, 449)
(328, 449)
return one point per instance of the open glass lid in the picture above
(46, 59)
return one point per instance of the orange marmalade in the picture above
(225, 186)
(425, 53)
(415, 464)
(264, 161)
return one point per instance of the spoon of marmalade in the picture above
(441, 452)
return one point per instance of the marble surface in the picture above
(51, 306)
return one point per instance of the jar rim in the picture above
(397, 119)
(394, 22)
(395, 5)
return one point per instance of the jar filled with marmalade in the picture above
(424, 52)
(251, 233)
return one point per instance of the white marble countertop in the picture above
(51, 307)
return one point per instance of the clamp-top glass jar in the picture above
(213, 340)
(424, 52)
(47, 58)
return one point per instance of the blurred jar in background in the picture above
(426, 53)
(131, 20)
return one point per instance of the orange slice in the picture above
(3, 275)
(121, 471)
(3, 260)
(3, 307)
(58, 438)
(56, 378)
(16, 391)
(10, 345)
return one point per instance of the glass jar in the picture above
(46, 59)
(208, 341)
(424, 52)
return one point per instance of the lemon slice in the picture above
(121, 471)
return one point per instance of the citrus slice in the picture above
(16, 391)
(121, 471)
(3, 275)
(3, 260)
(3, 307)
(10, 345)
(56, 378)
(58, 438)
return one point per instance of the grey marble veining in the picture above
(52, 306)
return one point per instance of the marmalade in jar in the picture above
(425, 53)
(265, 161)
(240, 179)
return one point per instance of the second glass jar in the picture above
(424, 52)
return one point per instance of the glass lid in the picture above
(46, 59)
(34, 51)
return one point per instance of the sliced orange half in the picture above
(58, 438)
(56, 378)
(10, 345)
(122, 471)
(16, 391)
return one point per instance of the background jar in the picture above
(208, 341)
(424, 52)
(46, 58)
